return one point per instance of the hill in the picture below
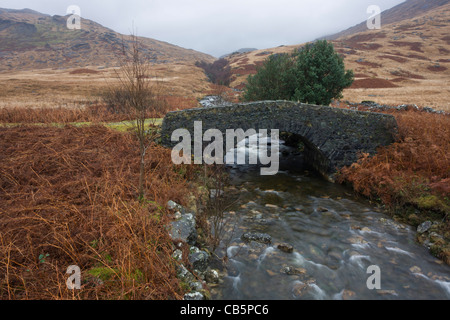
(404, 11)
(406, 61)
(32, 40)
(44, 64)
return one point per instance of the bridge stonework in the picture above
(333, 137)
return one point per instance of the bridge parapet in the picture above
(333, 137)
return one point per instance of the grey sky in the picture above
(218, 27)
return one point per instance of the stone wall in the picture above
(333, 137)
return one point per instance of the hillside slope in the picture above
(404, 62)
(32, 40)
(404, 11)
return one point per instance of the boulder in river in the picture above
(291, 271)
(257, 237)
(285, 247)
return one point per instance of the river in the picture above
(335, 237)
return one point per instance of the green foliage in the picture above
(314, 74)
(103, 273)
(42, 257)
(272, 80)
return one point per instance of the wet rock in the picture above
(232, 270)
(389, 222)
(253, 256)
(322, 209)
(184, 229)
(348, 294)
(285, 247)
(196, 286)
(177, 255)
(184, 274)
(212, 276)
(415, 269)
(178, 215)
(199, 259)
(424, 227)
(271, 273)
(292, 271)
(301, 288)
(257, 237)
(172, 205)
(387, 292)
(194, 296)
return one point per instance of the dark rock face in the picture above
(333, 137)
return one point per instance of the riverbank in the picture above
(411, 178)
(297, 236)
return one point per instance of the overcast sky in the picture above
(218, 27)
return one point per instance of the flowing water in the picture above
(335, 237)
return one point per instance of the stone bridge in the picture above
(333, 137)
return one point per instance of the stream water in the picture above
(335, 237)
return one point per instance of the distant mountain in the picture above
(404, 11)
(242, 50)
(32, 40)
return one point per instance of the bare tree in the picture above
(138, 95)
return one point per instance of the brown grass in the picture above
(437, 68)
(68, 197)
(416, 166)
(97, 113)
(395, 58)
(84, 71)
(413, 46)
(372, 83)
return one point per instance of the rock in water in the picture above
(195, 296)
(286, 248)
(257, 237)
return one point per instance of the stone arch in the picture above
(333, 137)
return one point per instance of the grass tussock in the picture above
(415, 170)
(68, 197)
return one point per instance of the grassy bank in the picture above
(68, 197)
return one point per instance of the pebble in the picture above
(285, 247)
